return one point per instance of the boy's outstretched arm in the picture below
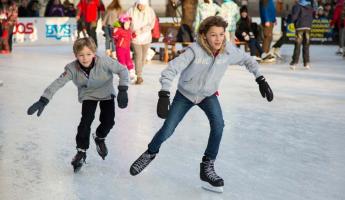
(49, 92)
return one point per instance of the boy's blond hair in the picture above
(80, 43)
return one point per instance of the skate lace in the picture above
(209, 171)
(142, 162)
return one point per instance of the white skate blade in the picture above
(209, 187)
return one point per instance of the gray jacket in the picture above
(99, 85)
(201, 73)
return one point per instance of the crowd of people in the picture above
(142, 19)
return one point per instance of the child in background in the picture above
(93, 76)
(122, 37)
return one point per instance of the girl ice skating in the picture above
(123, 36)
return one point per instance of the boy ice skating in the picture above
(202, 66)
(93, 76)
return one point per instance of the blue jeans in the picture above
(179, 107)
(255, 47)
(109, 42)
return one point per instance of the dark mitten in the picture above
(265, 89)
(163, 104)
(122, 97)
(38, 106)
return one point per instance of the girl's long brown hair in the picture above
(114, 5)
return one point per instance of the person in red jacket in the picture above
(88, 13)
(123, 36)
(336, 21)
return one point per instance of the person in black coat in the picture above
(302, 17)
(244, 32)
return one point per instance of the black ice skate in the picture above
(142, 162)
(79, 160)
(100, 146)
(212, 181)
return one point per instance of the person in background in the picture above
(328, 11)
(339, 24)
(123, 36)
(111, 15)
(89, 11)
(23, 9)
(302, 17)
(69, 9)
(47, 9)
(231, 13)
(143, 21)
(34, 7)
(205, 9)
(244, 33)
(56, 9)
(9, 11)
(268, 19)
(320, 14)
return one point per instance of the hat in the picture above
(143, 2)
(124, 18)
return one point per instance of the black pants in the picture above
(302, 38)
(91, 30)
(106, 118)
(282, 40)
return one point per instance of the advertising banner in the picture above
(45, 31)
(321, 32)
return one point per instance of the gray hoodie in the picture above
(201, 72)
(99, 84)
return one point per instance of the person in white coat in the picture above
(231, 13)
(205, 9)
(143, 20)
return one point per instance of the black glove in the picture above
(163, 104)
(122, 97)
(38, 106)
(265, 89)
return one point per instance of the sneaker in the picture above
(256, 58)
(307, 65)
(268, 58)
(132, 76)
(340, 51)
(208, 174)
(139, 81)
(100, 146)
(79, 159)
(141, 163)
(276, 53)
(293, 65)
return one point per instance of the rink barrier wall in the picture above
(33, 31)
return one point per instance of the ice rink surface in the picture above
(290, 149)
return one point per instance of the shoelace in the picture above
(210, 173)
(141, 163)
